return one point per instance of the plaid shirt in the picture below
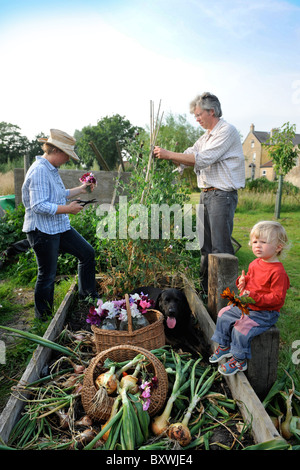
(42, 191)
(219, 158)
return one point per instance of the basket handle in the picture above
(129, 318)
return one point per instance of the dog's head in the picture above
(173, 305)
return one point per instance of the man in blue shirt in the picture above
(47, 224)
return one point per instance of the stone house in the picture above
(257, 159)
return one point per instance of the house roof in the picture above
(268, 164)
(264, 136)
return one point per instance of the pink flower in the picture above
(147, 391)
(146, 404)
(144, 305)
(146, 394)
(93, 317)
(88, 178)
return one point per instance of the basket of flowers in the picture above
(128, 321)
(104, 377)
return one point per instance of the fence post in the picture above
(26, 164)
(222, 273)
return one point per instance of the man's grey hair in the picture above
(206, 101)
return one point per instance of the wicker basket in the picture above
(120, 354)
(150, 337)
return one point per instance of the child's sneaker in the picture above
(232, 366)
(219, 354)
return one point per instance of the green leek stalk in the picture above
(41, 341)
(161, 423)
(130, 429)
(113, 413)
(132, 363)
(127, 422)
(93, 442)
(273, 444)
(180, 431)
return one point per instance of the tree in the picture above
(35, 148)
(105, 136)
(284, 154)
(12, 144)
(178, 133)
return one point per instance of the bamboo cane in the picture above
(154, 129)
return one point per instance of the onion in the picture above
(64, 419)
(84, 421)
(160, 424)
(180, 433)
(78, 389)
(105, 436)
(285, 426)
(108, 380)
(77, 368)
(83, 438)
(129, 382)
(70, 382)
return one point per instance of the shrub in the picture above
(263, 185)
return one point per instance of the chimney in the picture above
(252, 128)
(275, 129)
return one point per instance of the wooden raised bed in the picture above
(12, 411)
(251, 408)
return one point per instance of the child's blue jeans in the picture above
(237, 331)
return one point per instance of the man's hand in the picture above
(161, 153)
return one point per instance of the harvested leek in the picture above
(180, 431)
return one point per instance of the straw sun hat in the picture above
(63, 141)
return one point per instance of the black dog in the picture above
(179, 322)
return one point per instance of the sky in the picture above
(67, 64)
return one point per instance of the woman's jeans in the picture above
(219, 210)
(237, 331)
(47, 248)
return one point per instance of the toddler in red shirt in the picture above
(266, 282)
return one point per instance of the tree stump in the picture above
(262, 367)
(222, 273)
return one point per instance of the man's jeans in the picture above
(219, 209)
(47, 248)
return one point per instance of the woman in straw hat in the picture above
(47, 224)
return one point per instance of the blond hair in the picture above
(273, 232)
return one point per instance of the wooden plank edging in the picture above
(14, 406)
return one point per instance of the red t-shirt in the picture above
(267, 283)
